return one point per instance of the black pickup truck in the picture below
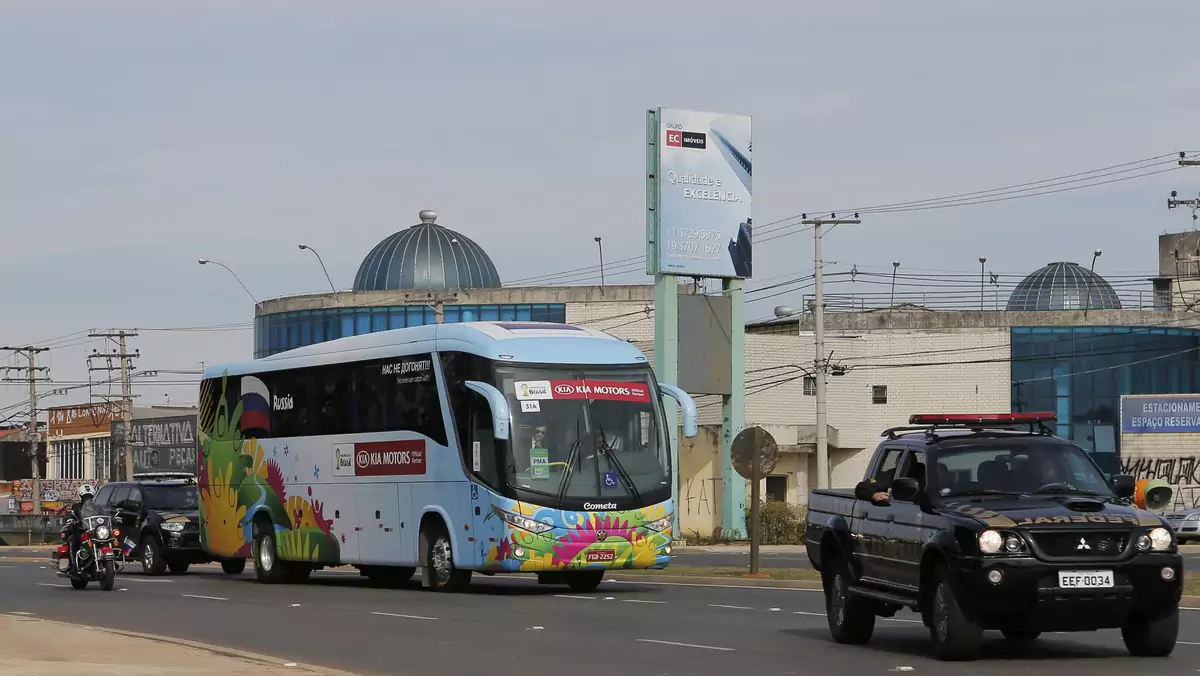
(990, 522)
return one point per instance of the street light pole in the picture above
(1087, 304)
(305, 247)
(982, 261)
(819, 362)
(205, 261)
(601, 246)
(895, 267)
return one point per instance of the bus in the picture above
(490, 447)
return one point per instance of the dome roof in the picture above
(1063, 286)
(426, 257)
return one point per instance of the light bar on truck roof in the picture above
(981, 418)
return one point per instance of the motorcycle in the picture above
(98, 556)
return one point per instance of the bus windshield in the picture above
(579, 433)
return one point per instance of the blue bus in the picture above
(496, 447)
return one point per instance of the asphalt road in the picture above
(510, 626)
(720, 557)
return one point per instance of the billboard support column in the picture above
(733, 416)
(666, 367)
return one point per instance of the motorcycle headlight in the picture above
(1160, 539)
(173, 527)
(525, 523)
(102, 532)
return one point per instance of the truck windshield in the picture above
(168, 498)
(580, 433)
(1025, 468)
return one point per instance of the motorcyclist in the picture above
(74, 528)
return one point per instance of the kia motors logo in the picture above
(564, 389)
(363, 458)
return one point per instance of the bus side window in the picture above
(332, 396)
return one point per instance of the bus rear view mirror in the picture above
(691, 418)
(497, 402)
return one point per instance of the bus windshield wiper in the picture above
(572, 457)
(616, 463)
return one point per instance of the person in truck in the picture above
(877, 489)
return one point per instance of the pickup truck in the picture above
(990, 522)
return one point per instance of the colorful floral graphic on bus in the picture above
(238, 481)
(639, 538)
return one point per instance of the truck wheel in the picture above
(955, 638)
(1022, 635)
(179, 567)
(851, 618)
(153, 562)
(1152, 638)
(233, 566)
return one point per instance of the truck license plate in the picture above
(1085, 579)
(600, 556)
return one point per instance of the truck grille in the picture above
(1082, 544)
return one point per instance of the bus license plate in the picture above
(1085, 579)
(601, 556)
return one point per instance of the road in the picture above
(512, 625)
(794, 557)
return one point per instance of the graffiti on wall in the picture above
(57, 494)
(1181, 472)
(700, 496)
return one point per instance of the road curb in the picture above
(233, 653)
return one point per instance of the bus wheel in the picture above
(438, 572)
(267, 566)
(585, 581)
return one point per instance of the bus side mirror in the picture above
(499, 405)
(691, 418)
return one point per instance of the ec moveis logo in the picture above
(687, 139)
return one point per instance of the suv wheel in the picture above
(851, 618)
(955, 638)
(1152, 638)
(153, 562)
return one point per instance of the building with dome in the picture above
(1063, 286)
(426, 274)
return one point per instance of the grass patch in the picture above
(1191, 583)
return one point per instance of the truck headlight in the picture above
(990, 542)
(1160, 539)
(173, 527)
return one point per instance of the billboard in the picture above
(165, 444)
(93, 418)
(699, 194)
(1160, 414)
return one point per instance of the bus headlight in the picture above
(1160, 539)
(660, 525)
(518, 521)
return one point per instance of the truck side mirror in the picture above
(691, 417)
(1124, 485)
(906, 489)
(497, 402)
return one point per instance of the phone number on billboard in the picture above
(692, 233)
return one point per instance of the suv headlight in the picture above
(660, 525)
(173, 527)
(1160, 539)
(996, 542)
(522, 522)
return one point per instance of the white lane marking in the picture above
(144, 579)
(568, 596)
(805, 612)
(1187, 608)
(685, 645)
(20, 612)
(718, 605)
(641, 601)
(1187, 643)
(7, 566)
(48, 584)
(720, 586)
(207, 598)
(407, 617)
(887, 619)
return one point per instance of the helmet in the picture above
(85, 491)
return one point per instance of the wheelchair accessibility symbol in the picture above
(610, 479)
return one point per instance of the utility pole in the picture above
(31, 375)
(821, 362)
(125, 368)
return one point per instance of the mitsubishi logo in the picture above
(1083, 544)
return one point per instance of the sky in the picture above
(138, 137)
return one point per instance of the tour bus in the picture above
(497, 447)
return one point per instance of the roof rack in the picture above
(977, 422)
(164, 476)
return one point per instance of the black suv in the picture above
(161, 514)
(977, 525)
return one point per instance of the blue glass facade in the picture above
(1080, 373)
(283, 331)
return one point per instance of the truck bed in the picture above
(825, 505)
